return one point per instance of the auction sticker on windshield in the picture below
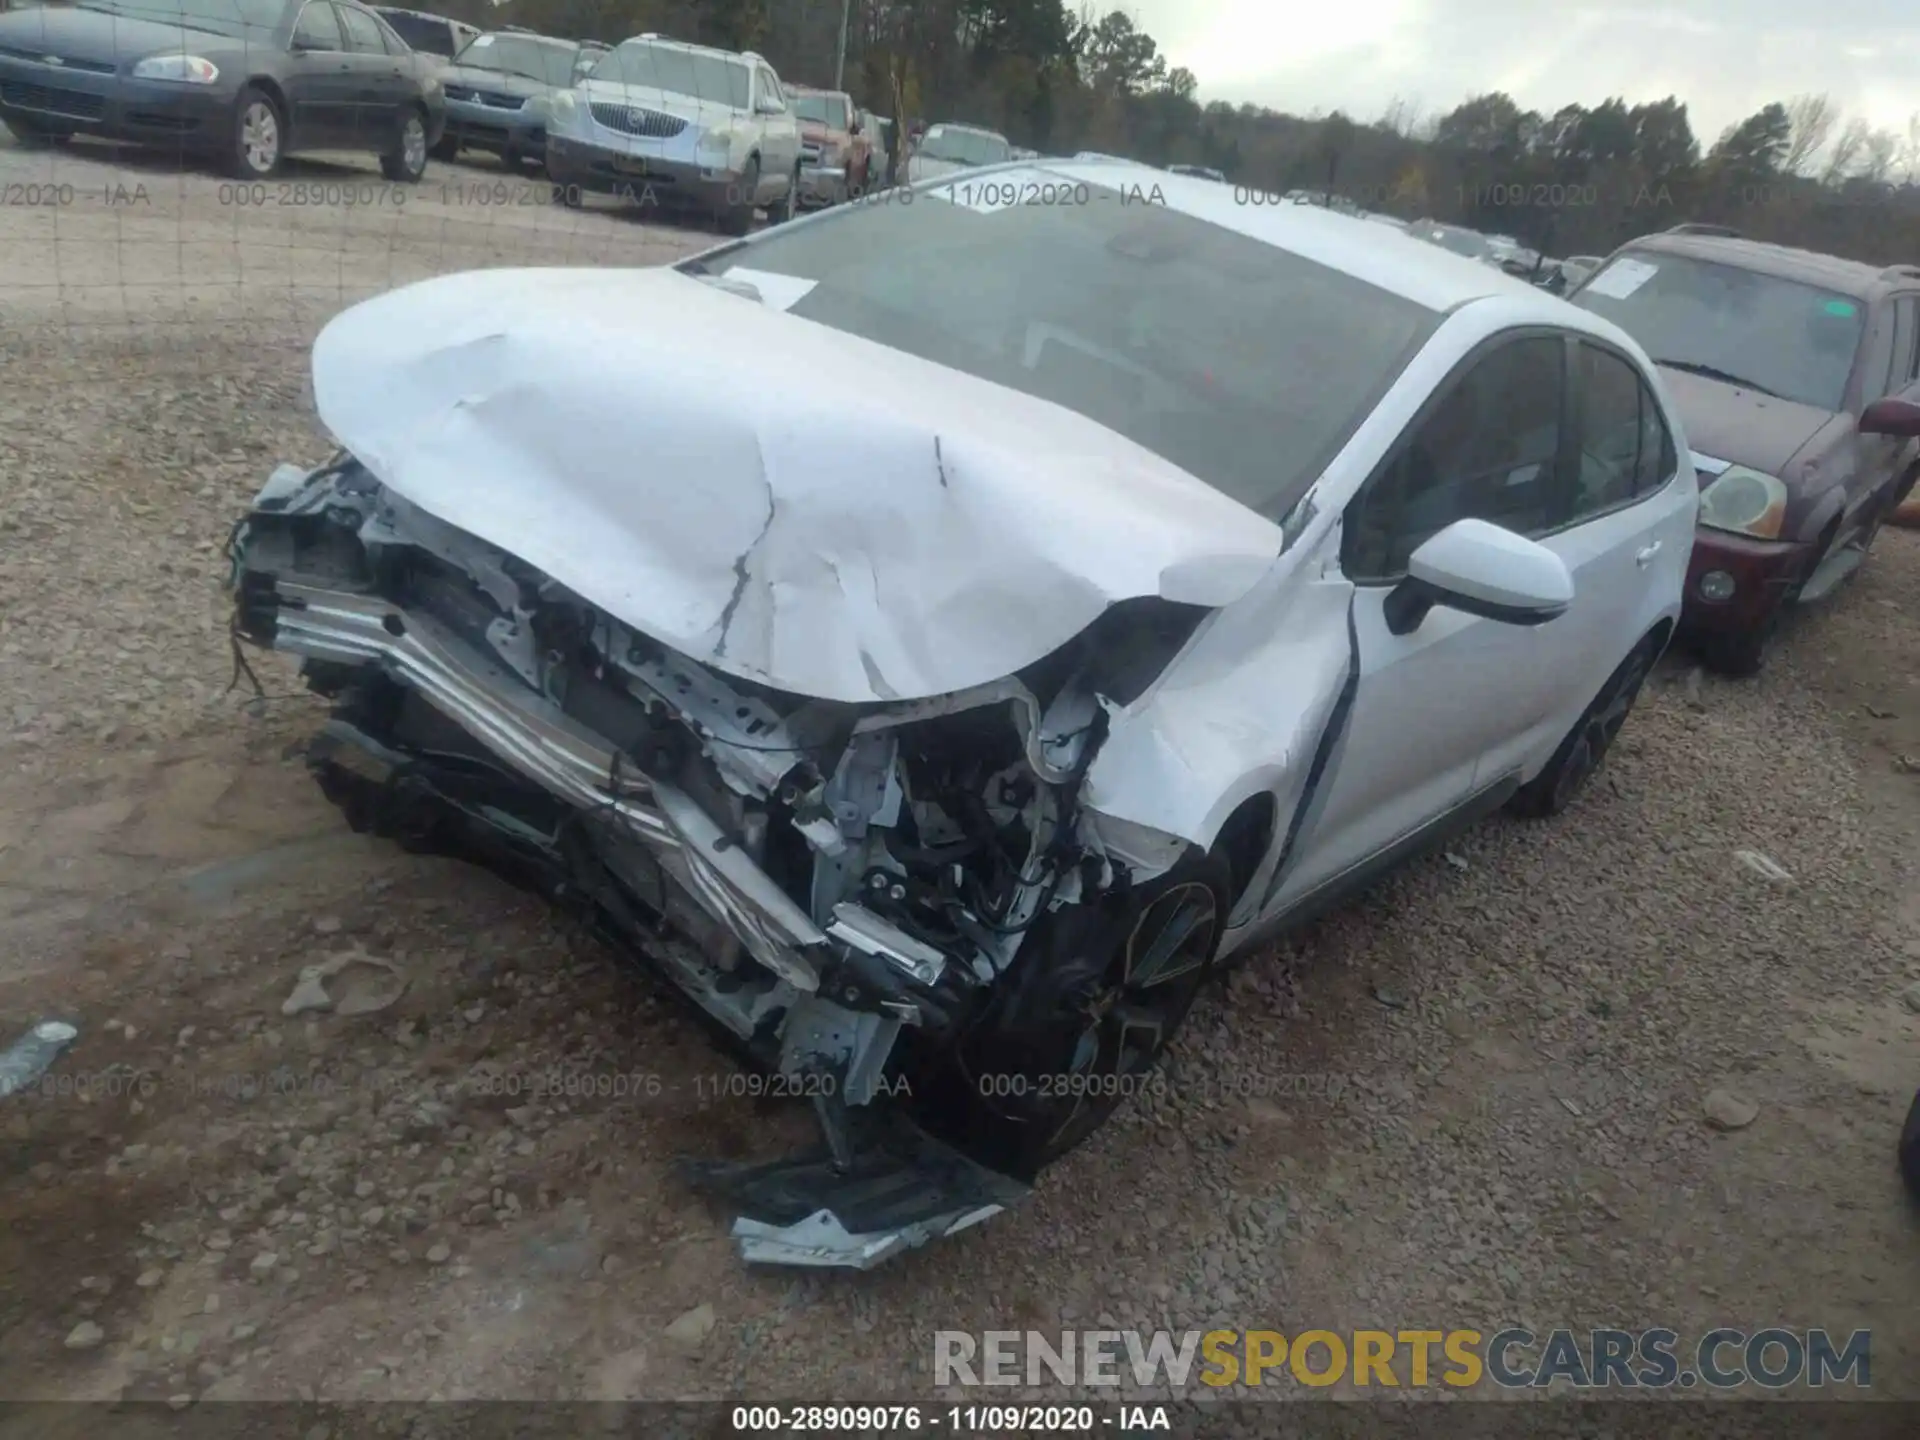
(1622, 278)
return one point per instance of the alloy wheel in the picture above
(413, 145)
(260, 137)
(1598, 728)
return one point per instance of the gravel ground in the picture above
(1517, 1138)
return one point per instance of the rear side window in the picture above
(1625, 448)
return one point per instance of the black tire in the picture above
(1075, 1029)
(405, 161)
(258, 143)
(737, 218)
(1582, 753)
(1910, 1149)
(447, 150)
(35, 137)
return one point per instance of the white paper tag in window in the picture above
(1621, 278)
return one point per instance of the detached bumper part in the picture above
(901, 1189)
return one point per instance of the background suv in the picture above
(499, 90)
(675, 124)
(835, 156)
(1798, 376)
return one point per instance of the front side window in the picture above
(687, 73)
(1779, 337)
(363, 34)
(1626, 450)
(1488, 450)
(1242, 363)
(827, 110)
(317, 28)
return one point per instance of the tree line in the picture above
(1578, 181)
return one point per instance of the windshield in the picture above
(222, 17)
(426, 33)
(964, 147)
(678, 72)
(548, 61)
(827, 110)
(1791, 340)
(1245, 365)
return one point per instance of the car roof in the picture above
(1381, 255)
(1783, 262)
(663, 43)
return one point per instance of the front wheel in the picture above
(406, 161)
(1580, 755)
(1089, 1006)
(259, 133)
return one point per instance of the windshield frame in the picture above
(1730, 360)
(852, 278)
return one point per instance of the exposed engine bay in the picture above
(844, 889)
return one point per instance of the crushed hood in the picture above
(660, 447)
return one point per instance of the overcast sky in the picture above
(1725, 58)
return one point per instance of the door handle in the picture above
(1645, 557)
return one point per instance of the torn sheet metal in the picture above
(637, 436)
(1239, 712)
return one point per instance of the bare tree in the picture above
(1401, 117)
(1848, 147)
(1813, 118)
(1910, 150)
(1879, 156)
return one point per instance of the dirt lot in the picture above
(1514, 1135)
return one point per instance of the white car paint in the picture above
(504, 402)
(957, 533)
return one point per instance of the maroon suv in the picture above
(1798, 378)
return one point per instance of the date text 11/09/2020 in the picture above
(129, 1083)
(954, 1419)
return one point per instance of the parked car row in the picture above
(936, 804)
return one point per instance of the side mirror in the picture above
(1897, 415)
(1481, 569)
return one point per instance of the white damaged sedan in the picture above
(1190, 564)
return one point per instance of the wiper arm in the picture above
(1710, 372)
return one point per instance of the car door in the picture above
(1624, 532)
(1431, 706)
(319, 84)
(382, 83)
(780, 129)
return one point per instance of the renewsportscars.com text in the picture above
(1601, 1359)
